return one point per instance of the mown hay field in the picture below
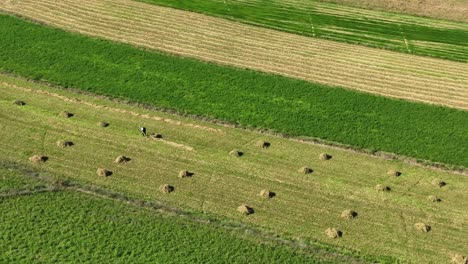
(377, 71)
(240, 96)
(304, 204)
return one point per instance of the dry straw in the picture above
(333, 233)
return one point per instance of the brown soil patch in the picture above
(103, 124)
(236, 153)
(333, 233)
(64, 144)
(103, 172)
(382, 188)
(459, 259)
(38, 159)
(245, 209)
(348, 214)
(185, 174)
(325, 156)
(394, 173)
(263, 144)
(122, 159)
(18, 102)
(267, 194)
(166, 188)
(422, 227)
(66, 114)
(434, 199)
(438, 183)
(305, 170)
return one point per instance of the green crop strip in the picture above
(246, 97)
(387, 31)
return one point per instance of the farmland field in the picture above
(221, 41)
(304, 205)
(249, 98)
(71, 227)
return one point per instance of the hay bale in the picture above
(333, 233)
(263, 144)
(66, 114)
(459, 259)
(156, 135)
(394, 173)
(19, 102)
(185, 174)
(325, 156)
(267, 194)
(382, 188)
(434, 199)
(305, 170)
(103, 172)
(103, 124)
(122, 159)
(422, 227)
(64, 144)
(38, 159)
(245, 209)
(348, 214)
(166, 188)
(438, 183)
(236, 153)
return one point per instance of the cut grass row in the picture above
(423, 36)
(221, 41)
(304, 205)
(249, 98)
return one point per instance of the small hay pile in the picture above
(19, 102)
(348, 214)
(393, 173)
(422, 227)
(333, 233)
(122, 159)
(185, 174)
(263, 144)
(156, 136)
(66, 114)
(438, 183)
(459, 259)
(64, 144)
(382, 188)
(236, 153)
(305, 170)
(267, 194)
(103, 124)
(245, 209)
(103, 172)
(166, 188)
(38, 159)
(434, 199)
(325, 156)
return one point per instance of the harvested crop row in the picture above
(189, 34)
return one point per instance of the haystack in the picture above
(245, 209)
(38, 159)
(103, 124)
(185, 174)
(394, 173)
(305, 170)
(103, 172)
(422, 227)
(18, 102)
(348, 214)
(156, 135)
(438, 183)
(382, 188)
(166, 188)
(122, 159)
(64, 144)
(325, 156)
(333, 233)
(263, 144)
(459, 259)
(434, 199)
(236, 153)
(66, 114)
(267, 194)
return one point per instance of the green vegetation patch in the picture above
(401, 33)
(246, 97)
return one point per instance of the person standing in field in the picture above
(143, 131)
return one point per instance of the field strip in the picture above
(217, 40)
(304, 205)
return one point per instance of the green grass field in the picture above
(304, 205)
(72, 227)
(246, 97)
(421, 36)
